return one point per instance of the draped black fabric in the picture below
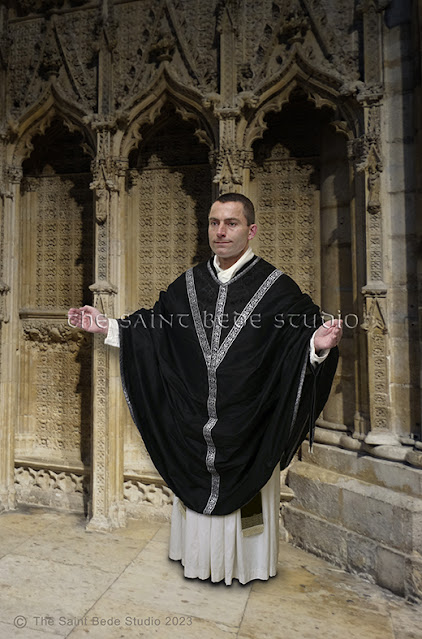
(218, 381)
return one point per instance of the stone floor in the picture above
(56, 580)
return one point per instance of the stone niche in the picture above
(168, 199)
(300, 184)
(56, 220)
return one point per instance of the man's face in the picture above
(228, 232)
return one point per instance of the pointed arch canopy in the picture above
(38, 118)
(147, 106)
(321, 88)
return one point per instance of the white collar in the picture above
(224, 275)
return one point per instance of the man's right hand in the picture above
(88, 318)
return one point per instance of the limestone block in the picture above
(414, 457)
(379, 437)
(374, 471)
(413, 578)
(372, 511)
(361, 556)
(383, 515)
(35, 495)
(286, 493)
(316, 490)
(394, 453)
(350, 443)
(390, 570)
(323, 436)
(317, 536)
(323, 423)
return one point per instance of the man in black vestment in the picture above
(224, 378)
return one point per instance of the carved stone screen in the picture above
(169, 204)
(300, 184)
(288, 217)
(285, 186)
(57, 236)
(169, 199)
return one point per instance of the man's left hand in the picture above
(328, 335)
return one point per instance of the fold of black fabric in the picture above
(218, 381)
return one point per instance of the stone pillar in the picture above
(375, 293)
(375, 288)
(9, 326)
(358, 221)
(336, 271)
(25, 428)
(227, 159)
(107, 506)
(402, 215)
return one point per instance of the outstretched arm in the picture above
(88, 318)
(328, 335)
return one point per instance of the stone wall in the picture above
(121, 120)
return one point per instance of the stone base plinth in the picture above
(369, 524)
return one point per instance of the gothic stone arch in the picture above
(54, 249)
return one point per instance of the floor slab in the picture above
(57, 580)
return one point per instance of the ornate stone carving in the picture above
(4, 289)
(25, 7)
(103, 296)
(376, 328)
(79, 84)
(139, 493)
(285, 199)
(46, 335)
(168, 38)
(63, 240)
(59, 411)
(107, 510)
(229, 164)
(52, 60)
(363, 6)
(101, 472)
(14, 174)
(50, 488)
(170, 203)
(52, 55)
(281, 33)
(4, 45)
(284, 179)
(374, 318)
(29, 184)
(106, 170)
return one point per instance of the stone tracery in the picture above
(160, 117)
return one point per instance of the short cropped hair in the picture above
(248, 207)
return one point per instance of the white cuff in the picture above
(313, 357)
(113, 337)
